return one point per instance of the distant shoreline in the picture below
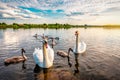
(51, 26)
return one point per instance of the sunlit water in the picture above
(101, 61)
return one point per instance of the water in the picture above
(101, 61)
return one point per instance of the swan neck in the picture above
(44, 49)
(77, 40)
(45, 55)
(23, 55)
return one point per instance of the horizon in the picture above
(74, 12)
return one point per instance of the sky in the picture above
(76, 12)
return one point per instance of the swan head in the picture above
(76, 33)
(45, 42)
(23, 50)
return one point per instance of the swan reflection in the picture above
(42, 73)
(76, 64)
(76, 70)
(52, 74)
(23, 65)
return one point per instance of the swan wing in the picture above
(50, 54)
(38, 56)
(82, 47)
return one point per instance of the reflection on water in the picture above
(51, 74)
(76, 64)
(100, 62)
(23, 65)
(44, 76)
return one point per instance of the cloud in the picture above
(7, 11)
(47, 13)
(112, 9)
(58, 9)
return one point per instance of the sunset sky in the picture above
(93, 12)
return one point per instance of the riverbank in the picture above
(52, 26)
(27, 26)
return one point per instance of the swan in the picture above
(80, 47)
(43, 36)
(53, 41)
(36, 35)
(16, 59)
(44, 57)
(56, 38)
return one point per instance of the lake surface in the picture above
(101, 61)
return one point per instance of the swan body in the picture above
(44, 57)
(62, 53)
(16, 59)
(81, 48)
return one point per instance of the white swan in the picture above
(44, 57)
(80, 47)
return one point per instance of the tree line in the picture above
(3, 25)
(26, 26)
